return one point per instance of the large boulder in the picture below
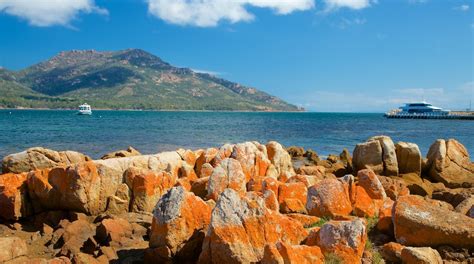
(328, 198)
(14, 202)
(346, 239)
(449, 163)
(409, 158)
(147, 187)
(252, 157)
(419, 222)
(389, 155)
(241, 227)
(394, 187)
(83, 187)
(280, 158)
(180, 222)
(292, 197)
(129, 152)
(368, 155)
(420, 255)
(371, 183)
(228, 174)
(40, 158)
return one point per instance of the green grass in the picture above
(332, 258)
(371, 223)
(369, 246)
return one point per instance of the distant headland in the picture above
(126, 79)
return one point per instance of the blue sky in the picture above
(325, 55)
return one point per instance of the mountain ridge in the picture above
(127, 79)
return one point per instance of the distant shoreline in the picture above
(155, 110)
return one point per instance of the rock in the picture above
(147, 187)
(40, 158)
(204, 157)
(328, 198)
(206, 170)
(187, 171)
(394, 187)
(392, 252)
(188, 156)
(280, 158)
(14, 202)
(421, 255)
(305, 220)
(11, 248)
(418, 222)
(453, 196)
(385, 224)
(346, 159)
(368, 155)
(465, 206)
(311, 155)
(292, 206)
(228, 174)
(409, 158)
(364, 205)
(286, 253)
(83, 187)
(417, 185)
(389, 155)
(115, 232)
(78, 236)
(271, 201)
(449, 163)
(180, 222)
(308, 180)
(120, 202)
(371, 183)
(81, 258)
(295, 151)
(312, 170)
(129, 152)
(292, 197)
(346, 239)
(241, 227)
(253, 159)
(199, 187)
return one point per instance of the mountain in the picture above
(127, 79)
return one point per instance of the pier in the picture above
(459, 115)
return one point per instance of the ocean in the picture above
(156, 131)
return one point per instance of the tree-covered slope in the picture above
(128, 79)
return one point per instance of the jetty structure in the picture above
(424, 110)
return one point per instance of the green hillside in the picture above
(128, 79)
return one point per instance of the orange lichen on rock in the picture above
(328, 198)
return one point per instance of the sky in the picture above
(324, 55)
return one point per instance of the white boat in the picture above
(423, 108)
(85, 109)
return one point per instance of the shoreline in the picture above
(155, 110)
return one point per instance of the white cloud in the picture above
(352, 4)
(208, 13)
(462, 8)
(49, 12)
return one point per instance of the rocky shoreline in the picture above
(240, 203)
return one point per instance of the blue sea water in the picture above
(152, 132)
